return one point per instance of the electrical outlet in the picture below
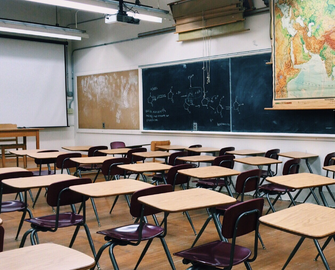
(103, 125)
(195, 126)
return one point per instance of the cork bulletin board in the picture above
(109, 101)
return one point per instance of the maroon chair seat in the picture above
(14, 205)
(64, 220)
(240, 219)
(130, 233)
(60, 195)
(134, 234)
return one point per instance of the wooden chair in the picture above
(11, 143)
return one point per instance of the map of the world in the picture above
(304, 49)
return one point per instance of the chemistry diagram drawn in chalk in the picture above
(237, 105)
(192, 97)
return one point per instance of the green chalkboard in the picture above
(181, 97)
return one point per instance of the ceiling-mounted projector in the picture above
(121, 18)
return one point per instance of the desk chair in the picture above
(117, 144)
(64, 161)
(191, 153)
(134, 159)
(158, 177)
(111, 171)
(247, 181)
(273, 153)
(134, 234)
(291, 166)
(328, 161)
(226, 161)
(240, 219)
(174, 178)
(14, 205)
(39, 162)
(60, 195)
(92, 152)
(223, 151)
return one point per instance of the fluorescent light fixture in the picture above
(96, 6)
(41, 30)
(91, 6)
(144, 17)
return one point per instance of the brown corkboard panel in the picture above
(108, 100)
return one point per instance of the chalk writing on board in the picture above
(176, 97)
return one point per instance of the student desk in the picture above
(110, 188)
(305, 220)
(301, 155)
(153, 154)
(77, 148)
(42, 181)
(201, 158)
(95, 160)
(189, 199)
(22, 132)
(203, 149)
(12, 169)
(246, 152)
(209, 172)
(45, 256)
(141, 168)
(171, 147)
(116, 151)
(258, 161)
(304, 180)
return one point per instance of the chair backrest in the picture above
(109, 167)
(94, 150)
(7, 189)
(63, 161)
(134, 159)
(242, 218)
(154, 144)
(173, 158)
(247, 181)
(291, 166)
(136, 206)
(226, 161)
(117, 144)
(223, 151)
(174, 178)
(273, 153)
(56, 194)
(191, 153)
(328, 159)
